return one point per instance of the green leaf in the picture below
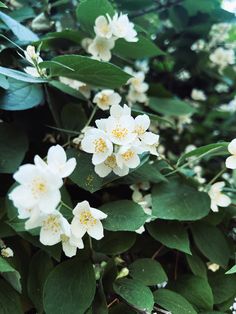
(73, 117)
(20, 31)
(135, 293)
(67, 89)
(143, 48)
(170, 106)
(177, 200)
(123, 215)
(223, 286)
(10, 274)
(172, 235)
(147, 271)
(211, 242)
(9, 300)
(232, 270)
(21, 76)
(2, 5)
(122, 308)
(20, 96)
(87, 70)
(40, 266)
(73, 276)
(13, 146)
(89, 10)
(4, 82)
(173, 302)
(115, 242)
(196, 265)
(196, 290)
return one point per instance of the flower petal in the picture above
(231, 162)
(96, 231)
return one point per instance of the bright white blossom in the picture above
(199, 45)
(231, 161)
(230, 107)
(123, 28)
(83, 88)
(7, 252)
(222, 57)
(87, 219)
(106, 98)
(142, 65)
(57, 162)
(222, 88)
(109, 165)
(100, 48)
(32, 56)
(198, 95)
(217, 197)
(102, 27)
(128, 156)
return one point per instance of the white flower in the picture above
(32, 56)
(110, 165)
(7, 252)
(222, 88)
(222, 57)
(100, 48)
(57, 162)
(199, 45)
(230, 107)
(198, 95)
(32, 71)
(142, 65)
(137, 82)
(218, 198)
(102, 27)
(96, 142)
(106, 98)
(118, 111)
(128, 156)
(87, 219)
(183, 75)
(70, 244)
(231, 161)
(38, 187)
(134, 96)
(82, 87)
(85, 42)
(123, 28)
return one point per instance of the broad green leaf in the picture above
(69, 34)
(135, 293)
(40, 267)
(20, 31)
(147, 271)
(10, 274)
(179, 17)
(67, 89)
(123, 215)
(232, 270)
(73, 117)
(21, 76)
(76, 277)
(9, 299)
(173, 302)
(4, 82)
(87, 70)
(196, 290)
(196, 265)
(206, 151)
(115, 242)
(122, 308)
(89, 10)
(211, 242)
(172, 235)
(143, 48)
(171, 106)
(223, 286)
(2, 5)
(20, 96)
(13, 146)
(177, 200)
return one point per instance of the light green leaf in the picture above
(13, 146)
(21, 96)
(3, 81)
(211, 242)
(9, 299)
(2, 5)
(177, 200)
(123, 215)
(232, 270)
(76, 277)
(21, 76)
(171, 106)
(10, 274)
(89, 10)
(147, 271)
(87, 70)
(173, 302)
(20, 31)
(172, 235)
(135, 293)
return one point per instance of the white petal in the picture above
(100, 157)
(96, 231)
(49, 201)
(80, 207)
(223, 200)
(26, 173)
(231, 162)
(57, 153)
(40, 163)
(142, 121)
(87, 144)
(121, 171)
(35, 220)
(150, 138)
(214, 206)
(69, 250)
(77, 229)
(78, 242)
(102, 170)
(232, 147)
(21, 196)
(69, 167)
(97, 214)
(47, 237)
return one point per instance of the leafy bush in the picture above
(117, 157)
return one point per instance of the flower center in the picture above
(100, 145)
(119, 132)
(104, 99)
(139, 130)
(87, 219)
(64, 238)
(128, 155)
(111, 162)
(52, 223)
(38, 187)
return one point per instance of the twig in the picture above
(157, 252)
(161, 310)
(113, 302)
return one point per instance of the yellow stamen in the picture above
(119, 132)
(111, 162)
(87, 219)
(52, 223)
(128, 155)
(100, 145)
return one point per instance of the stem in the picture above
(161, 311)
(65, 205)
(157, 252)
(51, 107)
(91, 117)
(217, 176)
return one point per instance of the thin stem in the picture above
(161, 310)
(65, 205)
(113, 302)
(91, 117)
(157, 252)
(217, 176)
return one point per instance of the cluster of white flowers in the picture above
(137, 86)
(82, 87)
(38, 200)
(222, 57)
(142, 197)
(108, 30)
(117, 141)
(34, 59)
(221, 88)
(106, 98)
(230, 107)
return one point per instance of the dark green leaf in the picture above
(10, 274)
(170, 106)
(9, 300)
(196, 265)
